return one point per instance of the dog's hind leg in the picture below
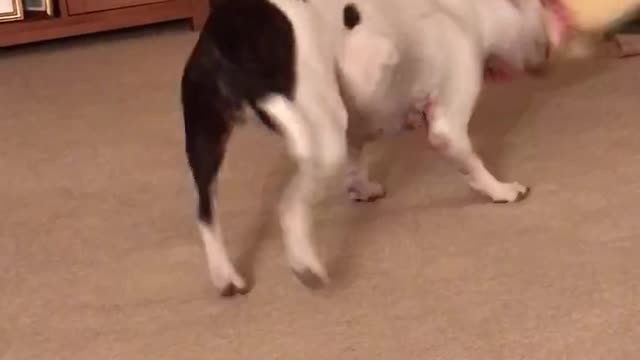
(207, 130)
(317, 158)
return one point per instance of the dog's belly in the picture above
(389, 111)
(385, 116)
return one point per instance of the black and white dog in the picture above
(330, 75)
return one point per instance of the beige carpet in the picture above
(100, 257)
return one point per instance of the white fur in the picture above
(220, 267)
(314, 125)
(354, 85)
(435, 54)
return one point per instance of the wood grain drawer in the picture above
(76, 7)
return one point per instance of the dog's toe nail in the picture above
(373, 196)
(523, 195)
(309, 279)
(231, 289)
(228, 291)
(376, 197)
(243, 290)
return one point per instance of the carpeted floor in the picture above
(100, 257)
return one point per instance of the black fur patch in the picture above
(351, 16)
(246, 51)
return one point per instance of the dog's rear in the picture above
(248, 59)
(245, 52)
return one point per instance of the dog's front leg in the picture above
(448, 117)
(359, 187)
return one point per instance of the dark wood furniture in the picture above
(77, 17)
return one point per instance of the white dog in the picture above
(330, 75)
(429, 57)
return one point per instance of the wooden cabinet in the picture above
(76, 7)
(77, 17)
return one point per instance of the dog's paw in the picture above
(367, 191)
(229, 283)
(310, 272)
(510, 193)
(310, 279)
